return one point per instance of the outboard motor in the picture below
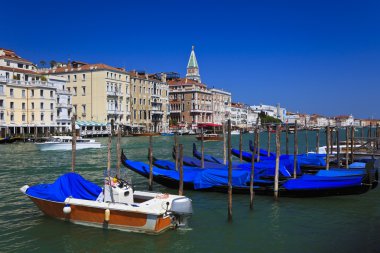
(182, 209)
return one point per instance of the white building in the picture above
(273, 111)
(221, 102)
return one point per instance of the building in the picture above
(220, 104)
(273, 111)
(27, 99)
(238, 114)
(63, 103)
(344, 120)
(149, 102)
(100, 93)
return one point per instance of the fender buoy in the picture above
(67, 209)
(107, 214)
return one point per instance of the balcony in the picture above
(175, 111)
(159, 112)
(30, 83)
(111, 93)
(63, 92)
(115, 112)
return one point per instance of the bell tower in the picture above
(192, 67)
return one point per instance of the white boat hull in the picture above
(66, 146)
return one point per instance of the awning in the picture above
(209, 125)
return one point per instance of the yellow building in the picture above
(149, 102)
(27, 101)
(100, 93)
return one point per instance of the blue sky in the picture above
(310, 56)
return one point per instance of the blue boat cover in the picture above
(67, 185)
(357, 165)
(201, 178)
(313, 182)
(341, 172)
(263, 152)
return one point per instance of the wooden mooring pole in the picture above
(276, 175)
(254, 151)
(176, 151)
(202, 150)
(241, 145)
(317, 142)
(224, 144)
(258, 141)
(180, 191)
(337, 146)
(229, 173)
(287, 138)
(352, 143)
(295, 150)
(268, 129)
(306, 139)
(118, 152)
(109, 155)
(328, 136)
(346, 149)
(150, 187)
(73, 144)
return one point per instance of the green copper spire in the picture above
(192, 67)
(193, 60)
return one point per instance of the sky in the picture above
(311, 56)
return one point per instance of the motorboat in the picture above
(65, 143)
(210, 137)
(115, 206)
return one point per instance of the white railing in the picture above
(30, 83)
(63, 92)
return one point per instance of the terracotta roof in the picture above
(151, 77)
(15, 58)
(342, 117)
(184, 81)
(87, 67)
(26, 71)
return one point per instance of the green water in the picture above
(333, 224)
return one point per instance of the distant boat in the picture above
(65, 143)
(167, 134)
(210, 137)
(145, 134)
(235, 132)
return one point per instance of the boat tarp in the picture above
(263, 152)
(357, 165)
(201, 178)
(68, 185)
(341, 172)
(313, 182)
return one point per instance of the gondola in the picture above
(305, 186)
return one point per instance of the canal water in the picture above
(328, 224)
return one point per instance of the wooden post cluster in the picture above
(73, 144)
(295, 150)
(276, 175)
(150, 187)
(180, 191)
(229, 173)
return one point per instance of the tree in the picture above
(265, 119)
(43, 63)
(53, 63)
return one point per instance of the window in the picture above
(83, 91)
(1, 116)
(140, 101)
(23, 93)
(51, 117)
(8, 63)
(32, 116)
(1, 103)
(23, 117)
(68, 78)
(41, 105)
(51, 106)
(12, 117)
(84, 108)
(75, 91)
(75, 78)
(1, 89)
(134, 100)
(32, 93)
(23, 106)
(42, 93)
(51, 93)
(84, 77)
(11, 92)
(12, 105)
(32, 105)
(42, 117)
